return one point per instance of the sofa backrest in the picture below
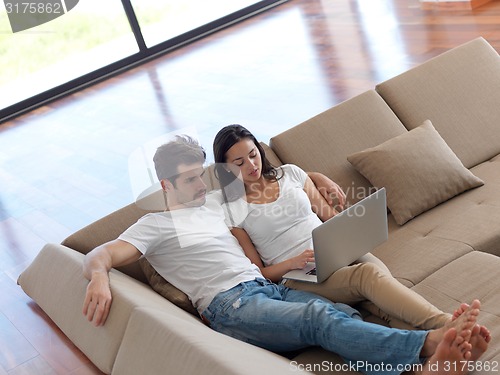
(459, 91)
(322, 143)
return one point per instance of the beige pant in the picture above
(372, 281)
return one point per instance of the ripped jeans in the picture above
(281, 319)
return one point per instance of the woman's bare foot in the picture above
(463, 324)
(463, 306)
(480, 338)
(451, 355)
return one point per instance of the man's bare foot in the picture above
(480, 338)
(450, 356)
(462, 323)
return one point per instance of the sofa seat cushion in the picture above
(472, 218)
(417, 168)
(412, 256)
(322, 143)
(474, 275)
(156, 342)
(459, 91)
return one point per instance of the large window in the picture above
(92, 35)
(163, 20)
(52, 47)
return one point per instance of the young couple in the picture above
(190, 246)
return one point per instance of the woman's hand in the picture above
(301, 260)
(330, 190)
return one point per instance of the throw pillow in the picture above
(164, 288)
(418, 170)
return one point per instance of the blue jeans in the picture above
(282, 319)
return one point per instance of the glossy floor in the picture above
(73, 161)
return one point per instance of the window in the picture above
(94, 34)
(45, 54)
(164, 20)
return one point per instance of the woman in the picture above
(272, 215)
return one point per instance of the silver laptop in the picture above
(346, 237)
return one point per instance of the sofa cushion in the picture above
(271, 155)
(417, 168)
(460, 91)
(474, 275)
(165, 289)
(472, 218)
(412, 256)
(156, 342)
(322, 143)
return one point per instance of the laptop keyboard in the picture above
(312, 272)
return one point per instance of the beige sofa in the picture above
(448, 253)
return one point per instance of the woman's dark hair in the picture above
(226, 138)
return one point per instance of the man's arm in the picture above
(96, 266)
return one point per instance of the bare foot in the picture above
(463, 306)
(450, 356)
(463, 324)
(480, 338)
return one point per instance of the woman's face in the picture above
(245, 156)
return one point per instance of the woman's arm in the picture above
(318, 203)
(329, 190)
(276, 271)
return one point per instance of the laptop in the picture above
(346, 237)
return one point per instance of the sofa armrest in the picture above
(55, 281)
(158, 343)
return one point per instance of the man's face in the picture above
(189, 189)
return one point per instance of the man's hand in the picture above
(97, 299)
(96, 266)
(331, 191)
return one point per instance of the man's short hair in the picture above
(182, 150)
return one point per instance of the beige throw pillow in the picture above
(164, 288)
(418, 170)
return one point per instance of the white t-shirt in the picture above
(280, 229)
(193, 249)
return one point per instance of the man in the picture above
(191, 247)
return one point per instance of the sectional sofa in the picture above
(431, 136)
